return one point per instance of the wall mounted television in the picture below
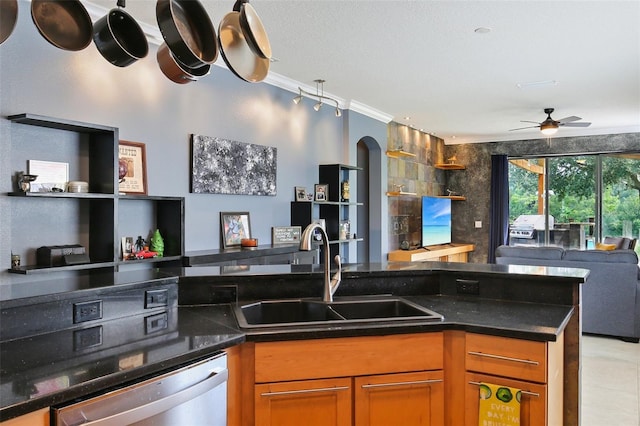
(436, 221)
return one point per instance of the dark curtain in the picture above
(499, 211)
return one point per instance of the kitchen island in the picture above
(526, 303)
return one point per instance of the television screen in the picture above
(436, 221)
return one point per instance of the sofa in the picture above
(611, 293)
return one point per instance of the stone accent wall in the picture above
(475, 181)
(411, 174)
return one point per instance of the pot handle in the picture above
(238, 5)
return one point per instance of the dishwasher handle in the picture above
(160, 405)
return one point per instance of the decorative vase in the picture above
(157, 243)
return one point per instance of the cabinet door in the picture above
(324, 402)
(400, 399)
(532, 405)
(36, 418)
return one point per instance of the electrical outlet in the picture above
(87, 338)
(155, 323)
(467, 286)
(156, 298)
(478, 224)
(87, 311)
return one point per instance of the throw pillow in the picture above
(607, 247)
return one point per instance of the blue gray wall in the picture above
(36, 77)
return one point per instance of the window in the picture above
(575, 201)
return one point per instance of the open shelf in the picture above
(453, 197)
(398, 153)
(448, 166)
(401, 194)
(35, 269)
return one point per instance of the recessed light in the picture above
(407, 118)
(482, 30)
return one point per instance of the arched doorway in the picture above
(369, 159)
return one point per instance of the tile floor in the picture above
(610, 382)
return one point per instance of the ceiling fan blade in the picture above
(581, 124)
(569, 119)
(527, 121)
(521, 128)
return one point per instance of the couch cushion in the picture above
(546, 253)
(605, 247)
(614, 256)
(620, 242)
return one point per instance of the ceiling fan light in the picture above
(548, 129)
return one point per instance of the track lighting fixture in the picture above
(319, 95)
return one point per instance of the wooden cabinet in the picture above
(454, 252)
(325, 402)
(415, 399)
(98, 219)
(35, 418)
(536, 368)
(341, 381)
(335, 210)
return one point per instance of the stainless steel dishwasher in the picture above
(191, 395)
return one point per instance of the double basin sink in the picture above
(306, 312)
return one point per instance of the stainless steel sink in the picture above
(300, 312)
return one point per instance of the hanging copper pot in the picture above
(177, 71)
(252, 29)
(64, 23)
(8, 18)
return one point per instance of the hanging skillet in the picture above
(8, 17)
(237, 54)
(64, 23)
(119, 38)
(253, 30)
(188, 31)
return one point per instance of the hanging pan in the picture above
(237, 54)
(187, 31)
(252, 29)
(176, 71)
(64, 23)
(8, 17)
(119, 38)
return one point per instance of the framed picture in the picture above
(301, 193)
(321, 191)
(132, 168)
(234, 226)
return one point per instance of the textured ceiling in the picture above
(422, 59)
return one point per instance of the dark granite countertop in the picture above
(45, 370)
(49, 369)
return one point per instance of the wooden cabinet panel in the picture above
(532, 405)
(415, 399)
(36, 418)
(342, 357)
(324, 402)
(503, 356)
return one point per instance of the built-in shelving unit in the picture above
(333, 211)
(96, 220)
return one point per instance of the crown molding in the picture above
(371, 112)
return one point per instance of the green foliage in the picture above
(572, 191)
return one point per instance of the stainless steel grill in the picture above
(528, 229)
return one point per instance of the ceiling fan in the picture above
(550, 126)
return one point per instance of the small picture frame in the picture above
(234, 226)
(321, 190)
(301, 193)
(132, 163)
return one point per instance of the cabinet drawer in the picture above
(503, 356)
(533, 405)
(349, 356)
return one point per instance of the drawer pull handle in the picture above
(524, 392)
(293, 392)
(505, 358)
(415, 382)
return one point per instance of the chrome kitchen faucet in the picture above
(330, 285)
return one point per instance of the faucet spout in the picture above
(330, 285)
